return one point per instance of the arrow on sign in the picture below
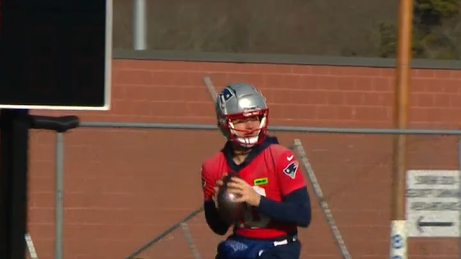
(420, 224)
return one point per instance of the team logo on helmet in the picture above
(226, 95)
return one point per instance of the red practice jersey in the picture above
(273, 173)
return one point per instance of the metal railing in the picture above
(296, 147)
(315, 133)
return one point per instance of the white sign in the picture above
(433, 203)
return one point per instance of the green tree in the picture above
(436, 31)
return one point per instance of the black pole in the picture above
(14, 137)
(14, 163)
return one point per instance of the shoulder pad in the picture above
(278, 149)
(211, 162)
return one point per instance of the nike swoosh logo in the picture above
(289, 158)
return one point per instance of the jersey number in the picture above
(252, 218)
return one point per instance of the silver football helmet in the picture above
(239, 101)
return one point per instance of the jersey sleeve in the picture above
(288, 172)
(207, 183)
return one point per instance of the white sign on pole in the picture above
(433, 203)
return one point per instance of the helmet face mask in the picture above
(242, 114)
(246, 137)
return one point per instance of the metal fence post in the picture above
(139, 25)
(310, 174)
(190, 240)
(58, 196)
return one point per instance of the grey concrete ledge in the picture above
(279, 59)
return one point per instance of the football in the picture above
(229, 210)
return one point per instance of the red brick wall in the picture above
(124, 186)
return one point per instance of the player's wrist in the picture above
(256, 201)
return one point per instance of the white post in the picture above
(398, 240)
(30, 246)
(139, 25)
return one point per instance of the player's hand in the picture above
(248, 194)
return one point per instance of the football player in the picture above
(269, 182)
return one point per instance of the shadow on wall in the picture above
(317, 27)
